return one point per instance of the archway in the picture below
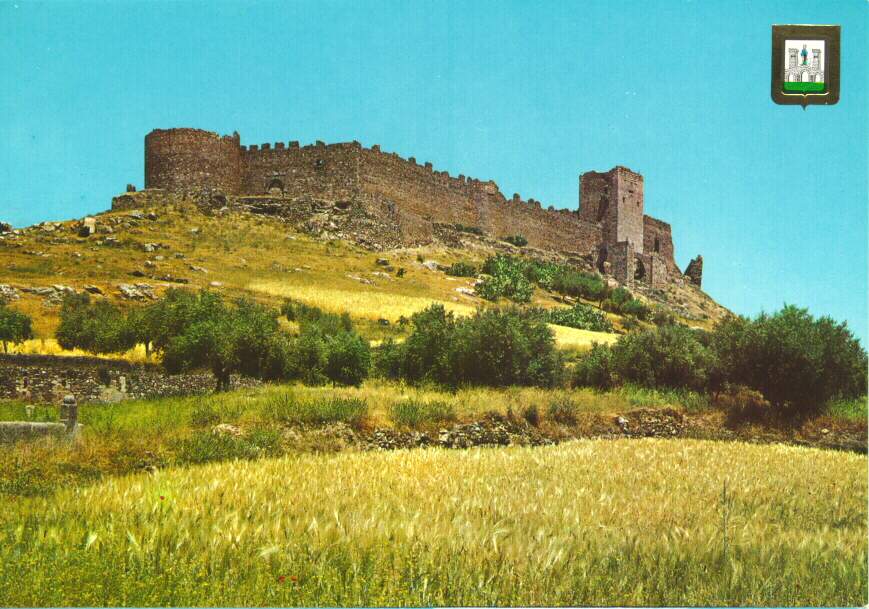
(276, 187)
(639, 270)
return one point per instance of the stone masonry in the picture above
(368, 186)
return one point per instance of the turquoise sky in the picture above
(528, 94)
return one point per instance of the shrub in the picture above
(474, 230)
(494, 348)
(634, 307)
(661, 316)
(506, 277)
(348, 359)
(575, 283)
(580, 316)
(563, 411)
(386, 360)
(414, 413)
(797, 362)
(742, 404)
(531, 414)
(517, 240)
(671, 356)
(462, 269)
(504, 347)
(595, 369)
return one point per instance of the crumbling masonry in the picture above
(408, 200)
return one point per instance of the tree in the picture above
(226, 339)
(15, 327)
(796, 361)
(97, 327)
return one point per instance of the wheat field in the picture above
(588, 522)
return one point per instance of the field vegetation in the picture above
(633, 522)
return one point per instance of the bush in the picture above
(348, 359)
(580, 316)
(635, 308)
(462, 269)
(504, 347)
(797, 362)
(671, 356)
(474, 230)
(595, 369)
(742, 404)
(414, 413)
(531, 414)
(506, 277)
(517, 240)
(494, 348)
(563, 411)
(575, 283)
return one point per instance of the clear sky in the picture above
(528, 94)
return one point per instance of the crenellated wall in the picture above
(417, 196)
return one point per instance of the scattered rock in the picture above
(216, 284)
(92, 289)
(8, 293)
(382, 262)
(225, 429)
(466, 291)
(360, 279)
(431, 265)
(197, 269)
(194, 230)
(138, 291)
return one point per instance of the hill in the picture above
(133, 255)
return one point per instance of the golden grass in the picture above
(633, 522)
(364, 301)
(580, 340)
(49, 346)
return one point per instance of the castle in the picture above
(804, 71)
(411, 202)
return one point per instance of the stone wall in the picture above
(658, 239)
(413, 197)
(46, 378)
(181, 160)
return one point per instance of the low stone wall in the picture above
(47, 378)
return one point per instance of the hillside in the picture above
(132, 256)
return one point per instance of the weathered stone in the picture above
(694, 271)
(88, 227)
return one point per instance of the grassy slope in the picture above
(256, 256)
(588, 522)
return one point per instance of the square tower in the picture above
(615, 200)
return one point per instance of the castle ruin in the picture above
(409, 201)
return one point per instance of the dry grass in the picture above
(633, 522)
(363, 301)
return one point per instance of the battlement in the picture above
(610, 210)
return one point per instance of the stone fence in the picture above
(47, 378)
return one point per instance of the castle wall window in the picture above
(276, 187)
(657, 245)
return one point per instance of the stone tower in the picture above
(186, 160)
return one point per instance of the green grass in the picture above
(854, 410)
(804, 87)
(588, 523)
(417, 413)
